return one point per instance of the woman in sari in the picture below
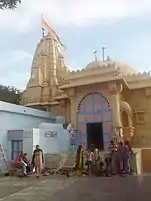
(80, 160)
(37, 160)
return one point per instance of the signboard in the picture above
(27, 134)
(50, 134)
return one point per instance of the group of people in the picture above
(116, 161)
(22, 162)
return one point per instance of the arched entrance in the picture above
(94, 111)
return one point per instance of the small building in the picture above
(15, 119)
(52, 138)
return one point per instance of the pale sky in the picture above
(122, 26)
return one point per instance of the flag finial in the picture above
(43, 32)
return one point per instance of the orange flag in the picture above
(46, 26)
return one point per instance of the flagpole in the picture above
(47, 27)
(43, 32)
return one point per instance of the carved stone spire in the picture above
(47, 67)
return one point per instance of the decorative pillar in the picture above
(62, 107)
(115, 90)
(72, 95)
(116, 110)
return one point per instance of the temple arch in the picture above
(94, 108)
(125, 107)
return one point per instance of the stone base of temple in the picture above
(141, 160)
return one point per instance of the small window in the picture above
(139, 117)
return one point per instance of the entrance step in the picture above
(70, 161)
(65, 160)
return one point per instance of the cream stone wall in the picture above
(55, 109)
(68, 111)
(76, 95)
(140, 104)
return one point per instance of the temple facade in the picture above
(104, 100)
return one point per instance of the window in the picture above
(16, 148)
(139, 117)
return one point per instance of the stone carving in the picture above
(124, 106)
(115, 88)
(47, 67)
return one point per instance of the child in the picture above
(96, 155)
(90, 157)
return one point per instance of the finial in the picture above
(95, 54)
(103, 51)
(43, 32)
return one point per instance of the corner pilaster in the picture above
(115, 90)
(72, 95)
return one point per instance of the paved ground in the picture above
(76, 189)
(107, 189)
(31, 189)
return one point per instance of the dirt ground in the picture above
(57, 188)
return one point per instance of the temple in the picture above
(105, 99)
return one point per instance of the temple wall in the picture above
(55, 110)
(67, 111)
(140, 104)
(138, 100)
(62, 109)
(80, 92)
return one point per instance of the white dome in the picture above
(123, 67)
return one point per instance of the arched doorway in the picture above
(94, 110)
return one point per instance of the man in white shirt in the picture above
(90, 157)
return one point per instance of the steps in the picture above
(70, 160)
(64, 160)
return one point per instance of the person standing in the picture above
(37, 160)
(90, 157)
(72, 139)
(120, 154)
(96, 155)
(127, 152)
(80, 160)
(111, 158)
